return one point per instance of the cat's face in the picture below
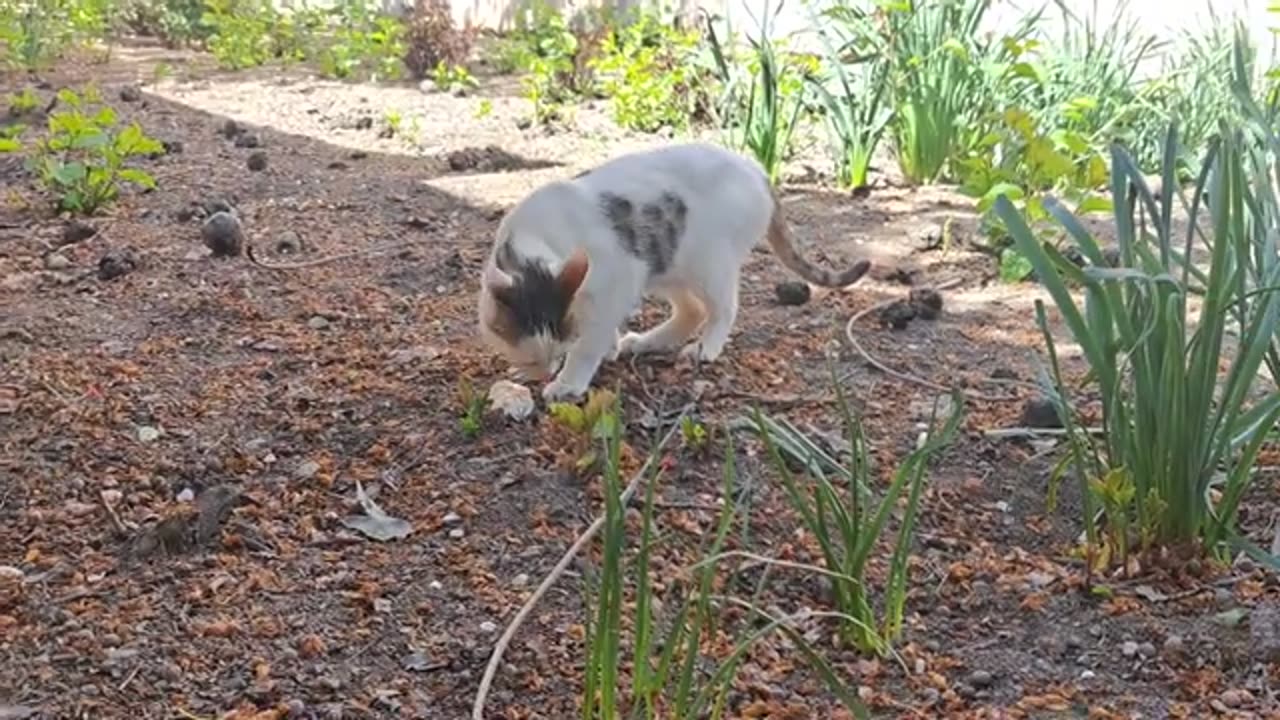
(526, 315)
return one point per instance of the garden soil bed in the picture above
(267, 396)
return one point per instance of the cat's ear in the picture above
(573, 272)
(495, 278)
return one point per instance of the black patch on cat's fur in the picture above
(652, 234)
(536, 299)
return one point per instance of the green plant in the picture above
(588, 423)
(452, 78)
(34, 33)
(1176, 425)
(644, 69)
(240, 32)
(82, 158)
(848, 524)
(176, 22)
(854, 93)
(940, 67)
(763, 120)
(9, 137)
(484, 109)
(474, 405)
(670, 676)
(694, 434)
(23, 102)
(363, 41)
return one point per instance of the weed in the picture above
(82, 158)
(363, 42)
(240, 32)
(644, 69)
(588, 423)
(694, 434)
(848, 524)
(474, 405)
(23, 102)
(484, 109)
(452, 78)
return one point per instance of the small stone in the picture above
(1236, 698)
(257, 161)
(112, 497)
(11, 573)
(1040, 412)
(116, 263)
(306, 469)
(289, 243)
(792, 292)
(928, 237)
(521, 580)
(318, 322)
(79, 509)
(187, 495)
(416, 662)
(452, 518)
(56, 261)
(130, 93)
(222, 234)
(147, 433)
(248, 140)
(1147, 650)
(927, 302)
(364, 123)
(230, 129)
(1129, 648)
(980, 679)
(488, 628)
(1174, 646)
(897, 315)
(435, 585)
(172, 147)
(338, 165)
(358, 155)
(76, 232)
(295, 709)
(457, 533)
(1087, 674)
(511, 399)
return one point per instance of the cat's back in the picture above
(690, 167)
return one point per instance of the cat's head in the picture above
(525, 312)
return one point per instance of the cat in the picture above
(573, 259)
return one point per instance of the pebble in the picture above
(248, 140)
(435, 585)
(792, 292)
(307, 469)
(187, 495)
(13, 573)
(112, 497)
(1129, 648)
(1087, 674)
(147, 433)
(288, 243)
(1174, 645)
(295, 709)
(1147, 650)
(77, 231)
(257, 161)
(222, 234)
(1040, 412)
(521, 580)
(130, 93)
(56, 261)
(511, 399)
(230, 129)
(452, 518)
(457, 533)
(318, 322)
(116, 263)
(488, 628)
(927, 302)
(981, 679)
(1235, 698)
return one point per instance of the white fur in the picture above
(729, 205)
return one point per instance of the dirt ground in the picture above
(145, 398)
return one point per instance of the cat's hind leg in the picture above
(686, 317)
(720, 297)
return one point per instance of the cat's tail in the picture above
(780, 240)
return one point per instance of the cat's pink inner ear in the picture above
(495, 278)
(574, 271)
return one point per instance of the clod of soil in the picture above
(289, 243)
(792, 292)
(223, 234)
(927, 238)
(364, 123)
(897, 315)
(116, 263)
(130, 93)
(230, 129)
(172, 147)
(1111, 256)
(77, 231)
(927, 302)
(1040, 412)
(257, 161)
(248, 140)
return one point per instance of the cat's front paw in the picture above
(630, 344)
(700, 353)
(557, 391)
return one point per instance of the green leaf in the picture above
(138, 177)
(70, 173)
(1013, 266)
(91, 141)
(8, 145)
(1095, 204)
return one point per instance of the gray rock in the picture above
(130, 93)
(792, 292)
(222, 234)
(318, 322)
(56, 261)
(980, 679)
(116, 263)
(1129, 648)
(257, 161)
(77, 231)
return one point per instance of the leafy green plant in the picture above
(82, 159)
(671, 677)
(587, 423)
(9, 137)
(240, 32)
(452, 78)
(34, 33)
(760, 113)
(940, 67)
(694, 434)
(853, 91)
(644, 69)
(474, 405)
(23, 102)
(484, 109)
(1177, 426)
(363, 42)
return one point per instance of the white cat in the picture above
(574, 258)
